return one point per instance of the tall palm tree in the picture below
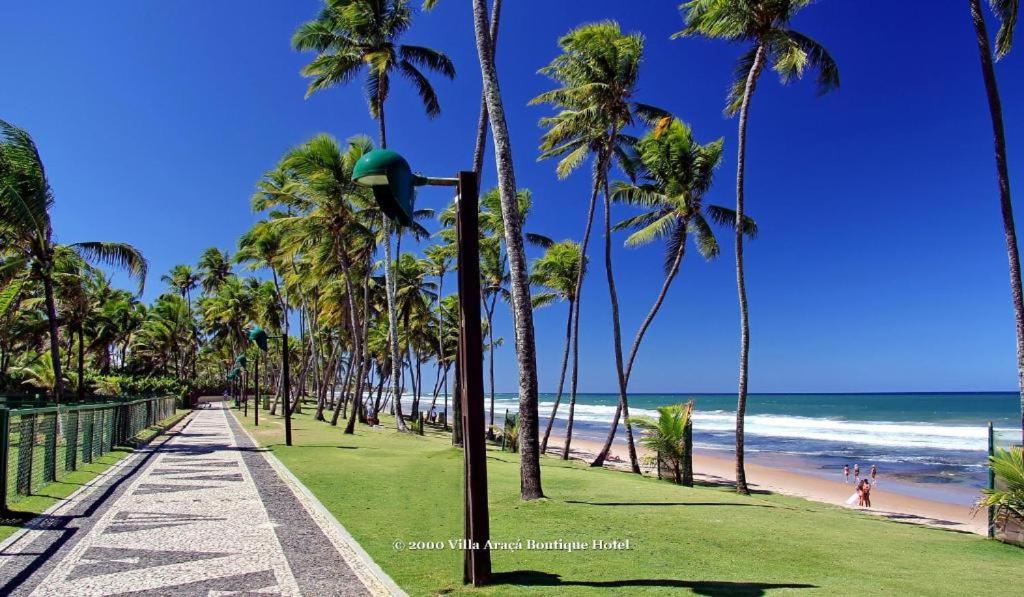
(349, 35)
(25, 225)
(526, 349)
(1006, 11)
(675, 173)
(557, 271)
(597, 72)
(493, 285)
(184, 279)
(764, 24)
(215, 269)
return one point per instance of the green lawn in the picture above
(384, 486)
(29, 507)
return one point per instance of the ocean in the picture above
(930, 445)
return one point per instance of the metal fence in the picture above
(41, 445)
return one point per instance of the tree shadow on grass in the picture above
(741, 505)
(535, 578)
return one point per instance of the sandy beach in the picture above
(715, 469)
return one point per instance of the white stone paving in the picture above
(195, 515)
(194, 521)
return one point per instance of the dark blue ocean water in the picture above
(936, 442)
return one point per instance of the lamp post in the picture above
(389, 176)
(258, 336)
(241, 362)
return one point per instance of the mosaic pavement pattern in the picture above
(203, 512)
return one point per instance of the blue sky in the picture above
(880, 264)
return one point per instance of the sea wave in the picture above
(875, 433)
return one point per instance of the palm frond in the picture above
(119, 255)
(423, 87)
(725, 216)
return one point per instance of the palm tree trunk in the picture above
(51, 321)
(526, 353)
(669, 277)
(482, 122)
(396, 359)
(677, 260)
(561, 380)
(382, 129)
(623, 408)
(81, 362)
(490, 340)
(578, 293)
(995, 109)
(741, 287)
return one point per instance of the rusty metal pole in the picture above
(477, 556)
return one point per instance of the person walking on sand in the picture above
(846, 474)
(856, 472)
(874, 474)
(865, 494)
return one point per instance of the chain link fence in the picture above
(40, 445)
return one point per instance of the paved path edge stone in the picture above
(322, 514)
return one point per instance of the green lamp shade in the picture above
(392, 181)
(257, 335)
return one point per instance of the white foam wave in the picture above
(875, 433)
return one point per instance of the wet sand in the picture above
(721, 470)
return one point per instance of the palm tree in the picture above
(25, 226)
(676, 172)
(348, 35)
(1006, 12)
(666, 437)
(597, 71)
(493, 285)
(215, 269)
(493, 261)
(765, 25)
(1008, 499)
(557, 271)
(184, 279)
(526, 349)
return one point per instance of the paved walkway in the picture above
(201, 512)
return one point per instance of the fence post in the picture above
(5, 449)
(26, 445)
(71, 442)
(991, 481)
(49, 449)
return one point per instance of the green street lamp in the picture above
(393, 183)
(258, 336)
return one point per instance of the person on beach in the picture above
(856, 472)
(865, 494)
(846, 474)
(855, 498)
(874, 474)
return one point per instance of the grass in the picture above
(384, 487)
(31, 506)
